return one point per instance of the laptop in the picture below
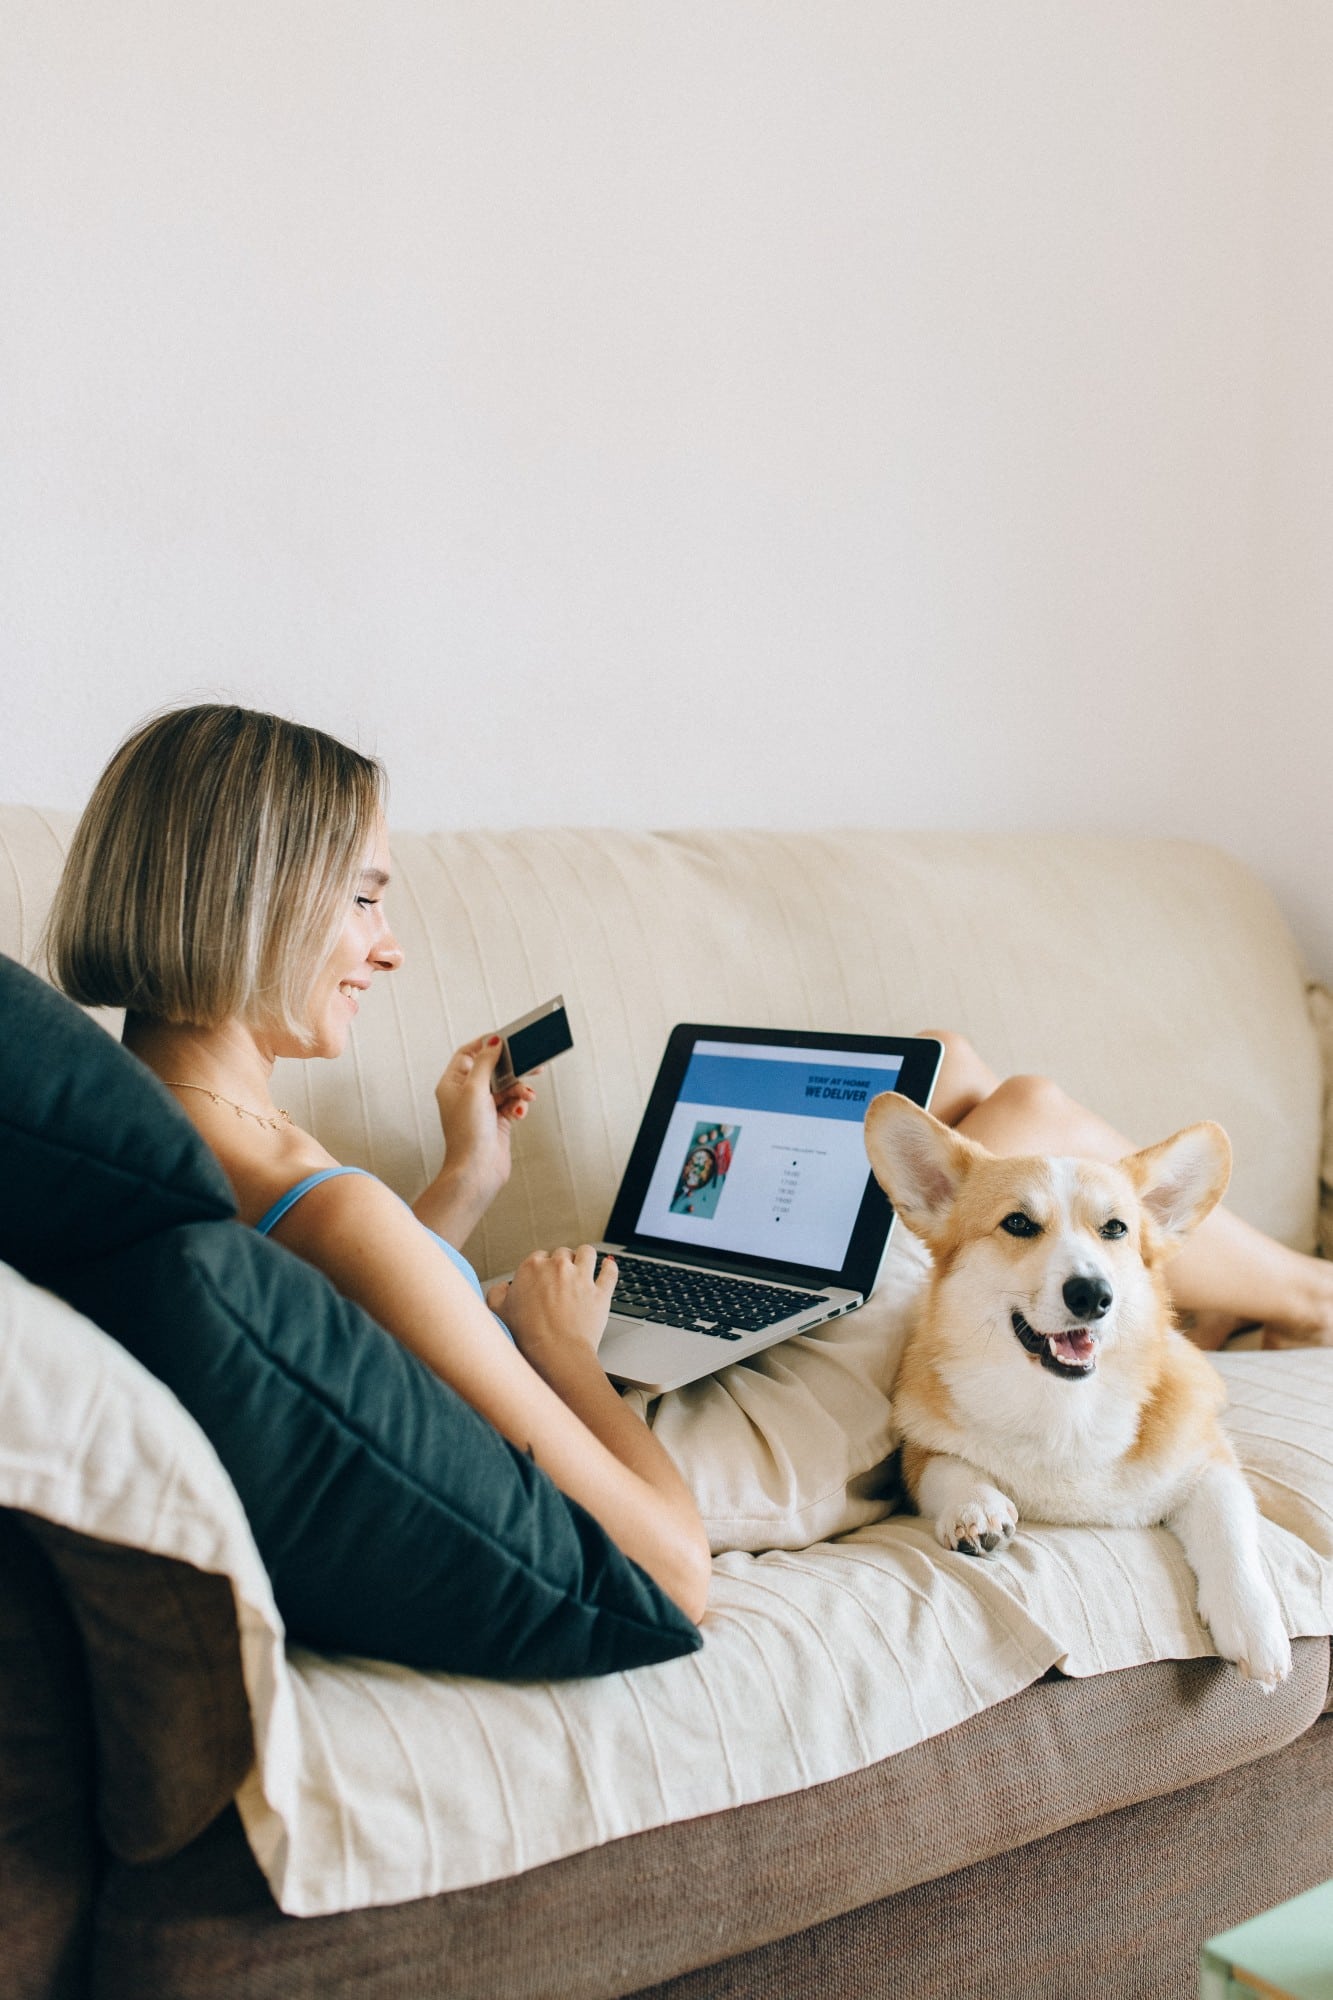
(748, 1211)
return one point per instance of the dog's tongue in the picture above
(1075, 1347)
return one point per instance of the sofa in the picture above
(888, 1768)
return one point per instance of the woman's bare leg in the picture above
(1226, 1275)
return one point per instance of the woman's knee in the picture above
(1037, 1099)
(1032, 1114)
(964, 1079)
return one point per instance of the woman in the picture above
(226, 886)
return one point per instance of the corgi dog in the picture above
(1045, 1376)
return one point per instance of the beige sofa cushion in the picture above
(1155, 979)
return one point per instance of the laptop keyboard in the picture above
(671, 1295)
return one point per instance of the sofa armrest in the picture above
(169, 1709)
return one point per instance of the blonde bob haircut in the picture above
(210, 874)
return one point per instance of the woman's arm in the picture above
(557, 1311)
(477, 1127)
(556, 1403)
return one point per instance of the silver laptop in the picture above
(748, 1211)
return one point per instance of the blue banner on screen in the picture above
(763, 1153)
(841, 1088)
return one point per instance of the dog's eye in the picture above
(1115, 1227)
(1019, 1224)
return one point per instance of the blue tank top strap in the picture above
(293, 1194)
(280, 1207)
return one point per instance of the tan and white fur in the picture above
(1045, 1377)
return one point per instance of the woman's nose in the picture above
(387, 955)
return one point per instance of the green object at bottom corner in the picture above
(1287, 1951)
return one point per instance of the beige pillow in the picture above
(790, 1448)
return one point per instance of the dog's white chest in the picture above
(1060, 1449)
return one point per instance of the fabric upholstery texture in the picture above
(1113, 1907)
(861, 930)
(816, 1663)
(375, 1784)
(611, 1920)
(49, 1863)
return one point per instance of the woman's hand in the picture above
(552, 1299)
(477, 1127)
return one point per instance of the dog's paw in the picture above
(981, 1525)
(1252, 1635)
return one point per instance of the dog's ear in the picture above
(1182, 1179)
(919, 1163)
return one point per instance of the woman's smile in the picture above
(366, 943)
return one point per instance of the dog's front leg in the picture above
(1218, 1528)
(970, 1514)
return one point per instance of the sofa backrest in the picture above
(1156, 980)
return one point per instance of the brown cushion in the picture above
(164, 1665)
(1115, 1907)
(49, 1856)
(618, 1917)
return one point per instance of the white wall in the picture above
(781, 411)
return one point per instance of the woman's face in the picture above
(366, 946)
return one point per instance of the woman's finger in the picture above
(484, 1054)
(497, 1293)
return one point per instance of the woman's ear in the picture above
(919, 1163)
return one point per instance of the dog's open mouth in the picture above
(1071, 1352)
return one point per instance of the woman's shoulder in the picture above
(326, 1199)
(259, 1178)
(288, 1199)
(364, 1237)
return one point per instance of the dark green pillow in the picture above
(393, 1520)
(98, 1153)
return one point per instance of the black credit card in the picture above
(532, 1040)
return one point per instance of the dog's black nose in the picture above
(1088, 1297)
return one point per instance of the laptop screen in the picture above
(763, 1153)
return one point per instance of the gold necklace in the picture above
(273, 1124)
